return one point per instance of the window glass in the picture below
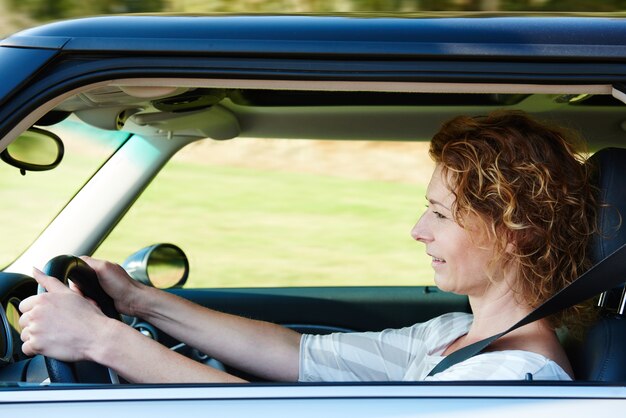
(264, 212)
(31, 201)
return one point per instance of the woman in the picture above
(509, 212)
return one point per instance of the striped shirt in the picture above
(409, 354)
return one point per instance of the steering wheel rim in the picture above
(65, 268)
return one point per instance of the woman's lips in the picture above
(436, 261)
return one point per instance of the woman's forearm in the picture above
(139, 359)
(261, 348)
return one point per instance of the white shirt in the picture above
(409, 354)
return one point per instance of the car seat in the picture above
(602, 354)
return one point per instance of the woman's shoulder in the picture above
(441, 331)
(461, 317)
(505, 365)
(451, 320)
(453, 323)
(446, 323)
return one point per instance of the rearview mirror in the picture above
(34, 150)
(161, 265)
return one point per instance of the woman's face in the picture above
(460, 255)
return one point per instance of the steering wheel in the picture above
(65, 268)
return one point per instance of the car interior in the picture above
(184, 111)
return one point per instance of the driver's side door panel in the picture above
(326, 308)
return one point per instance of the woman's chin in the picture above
(445, 285)
(442, 284)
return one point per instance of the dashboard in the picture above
(13, 289)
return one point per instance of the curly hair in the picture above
(528, 184)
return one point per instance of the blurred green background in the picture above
(19, 14)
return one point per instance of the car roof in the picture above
(272, 75)
(580, 38)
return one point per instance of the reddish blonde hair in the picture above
(530, 187)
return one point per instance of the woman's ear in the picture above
(511, 242)
(510, 248)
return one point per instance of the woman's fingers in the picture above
(28, 325)
(26, 305)
(49, 283)
(116, 283)
(59, 323)
(98, 265)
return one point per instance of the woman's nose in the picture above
(420, 231)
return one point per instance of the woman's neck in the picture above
(495, 311)
(494, 315)
(497, 306)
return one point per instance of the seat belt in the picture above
(604, 275)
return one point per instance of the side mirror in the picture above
(34, 150)
(161, 265)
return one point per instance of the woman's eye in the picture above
(438, 215)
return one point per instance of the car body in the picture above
(156, 84)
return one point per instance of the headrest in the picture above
(609, 175)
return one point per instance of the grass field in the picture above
(302, 214)
(31, 201)
(256, 226)
(286, 213)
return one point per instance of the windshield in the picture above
(286, 212)
(31, 200)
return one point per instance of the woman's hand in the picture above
(124, 291)
(61, 323)
(64, 325)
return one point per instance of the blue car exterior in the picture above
(43, 66)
